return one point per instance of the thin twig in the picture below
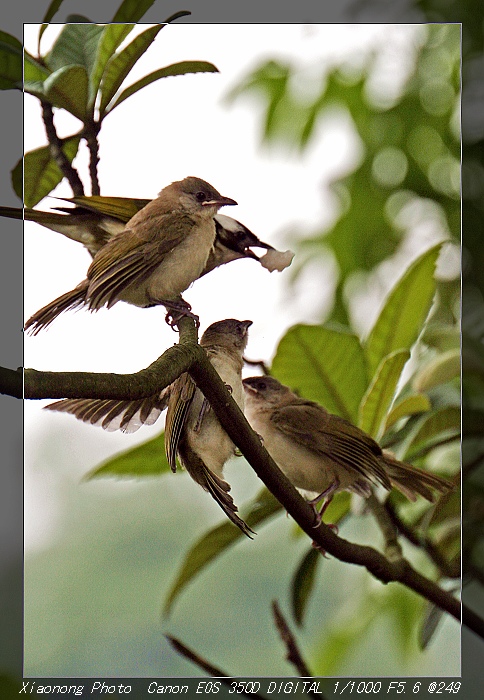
(294, 656)
(213, 671)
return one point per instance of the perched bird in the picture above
(323, 453)
(192, 431)
(163, 249)
(94, 220)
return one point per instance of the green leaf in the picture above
(181, 68)
(41, 173)
(147, 459)
(68, 88)
(404, 311)
(431, 429)
(34, 72)
(325, 365)
(216, 541)
(10, 62)
(51, 10)
(132, 10)
(76, 45)
(121, 63)
(427, 628)
(78, 19)
(17, 179)
(408, 406)
(111, 38)
(439, 370)
(379, 395)
(302, 583)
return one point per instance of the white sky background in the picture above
(174, 128)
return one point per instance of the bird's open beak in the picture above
(238, 237)
(246, 243)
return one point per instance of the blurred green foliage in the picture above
(411, 148)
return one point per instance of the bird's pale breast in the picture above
(184, 264)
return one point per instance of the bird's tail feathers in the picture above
(44, 316)
(412, 481)
(219, 490)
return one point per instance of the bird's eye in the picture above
(262, 386)
(201, 196)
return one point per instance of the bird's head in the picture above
(195, 196)
(265, 391)
(228, 333)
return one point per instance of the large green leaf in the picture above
(76, 45)
(216, 541)
(41, 173)
(325, 365)
(404, 311)
(111, 38)
(121, 63)
(68, 88)
(147, 459)
(379, 395)
(181, 68)
(10, 62)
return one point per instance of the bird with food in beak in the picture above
(163, 249)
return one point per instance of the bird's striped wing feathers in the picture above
(183, 390)
(113, 415)
(333, 437)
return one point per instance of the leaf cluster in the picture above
(84, 74)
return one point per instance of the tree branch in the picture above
(56, 152)
(190, 357)
(91, 132)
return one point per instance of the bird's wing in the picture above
(122, 208)
(112, 415)
(131, 257)
(312, 427)
(181, 396)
